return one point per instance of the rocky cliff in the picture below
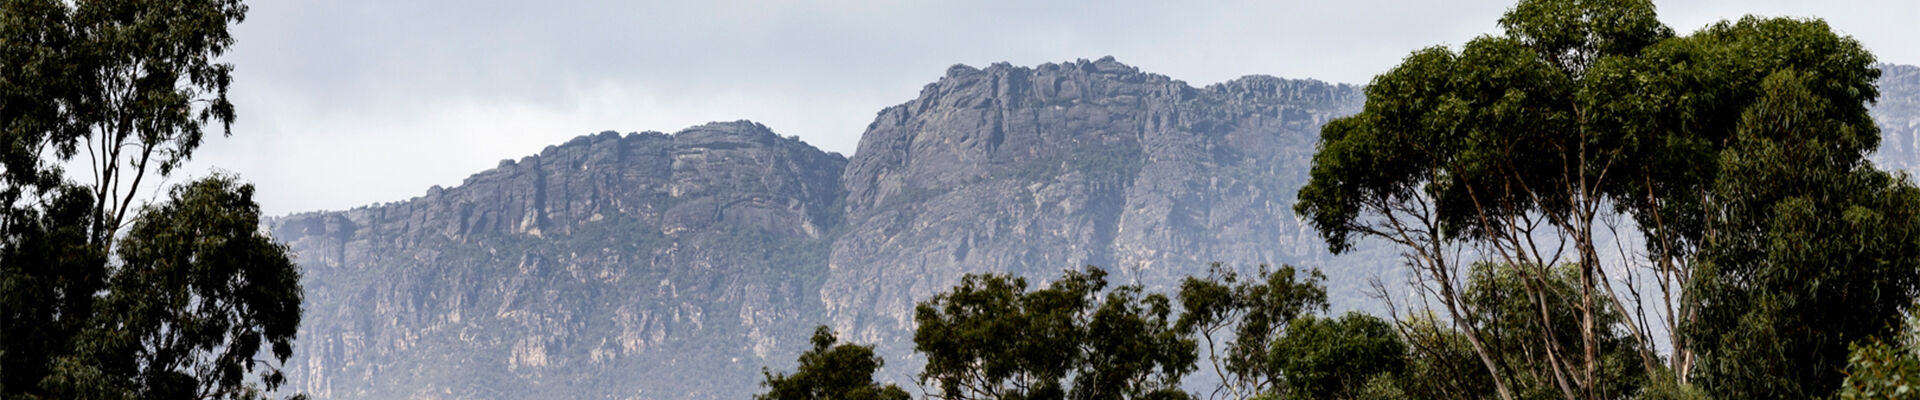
(1032, 170)
(674, 266)
(642, 265)
(1898, 113)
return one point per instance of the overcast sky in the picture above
(351, 102)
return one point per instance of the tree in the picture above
(1812, 249)
(1247, 316)
(831, 372)
(1336, 358)
(991, 338)
(198, 294)
(1440, 363)
(1495, 147)
(1509, 320)
(1879, 369)
(1517, 148)
(192, 292)
(130, 85)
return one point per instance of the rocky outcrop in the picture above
(573, 273)
(1033, 170)
(1898, 114)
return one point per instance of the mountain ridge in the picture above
(655, 265)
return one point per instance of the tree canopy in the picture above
(1238, 321)
(1337, 358)
(992, 338)
(831, 372)
(1738, 151)
(106, 297)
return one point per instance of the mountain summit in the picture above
(1032, 170)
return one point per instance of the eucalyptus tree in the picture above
(105, 297)
(1238, 321)
(1348, 357)
(993, 338)
(831, 371)
(1519, 147)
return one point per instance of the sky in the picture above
(344, 103)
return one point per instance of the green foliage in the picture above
(1514, 330)
(49, 273)
(1813, 248)
(132, 85)
(829, 372)
(992, 338)
(1497, 131)
(1668, 387)
(1494, 146)
(1441, 364)
(1354, 356)
(198, 293)
(1254, 313)
(1782, 251)
(194, 292)
(41, 81)
(1877, 369)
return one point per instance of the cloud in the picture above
(350, 102)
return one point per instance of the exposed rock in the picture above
(570, 273)
(649, 265)
(1898, 114)
(1034, 170)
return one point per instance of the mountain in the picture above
(1032, 170)
(673, 266)
(1898, 113)
(643, 265)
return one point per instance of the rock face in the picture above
(1898, 114)
(657, 266)
(1034, 170)
(643, 265)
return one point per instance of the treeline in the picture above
(1756, 252)
(1265, 336)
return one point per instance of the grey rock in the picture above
(574, 273)
(1898, 114)
(1034, 170)
(657, 266)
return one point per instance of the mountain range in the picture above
(675, 266)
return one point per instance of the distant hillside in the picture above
(673, 266)
(1898, 113)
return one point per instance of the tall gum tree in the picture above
(1519, 148)
(101, 296)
